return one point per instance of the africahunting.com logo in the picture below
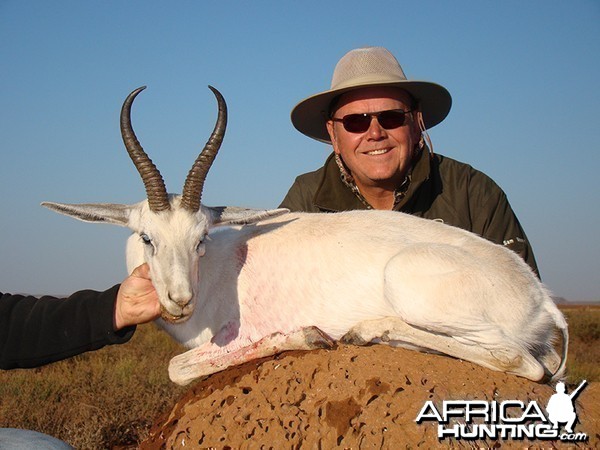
(509, 419)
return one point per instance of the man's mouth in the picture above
(380, 151)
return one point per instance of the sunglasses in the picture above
(359, 123)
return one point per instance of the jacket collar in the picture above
(333, 195)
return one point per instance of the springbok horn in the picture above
(194, 183)
(156, 191)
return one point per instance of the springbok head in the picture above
(169, 230)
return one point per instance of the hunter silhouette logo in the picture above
(560, 406)
(509, 419)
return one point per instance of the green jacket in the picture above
(440, 189)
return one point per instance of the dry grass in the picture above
(584, 346)
(98, 400)
(109, 398)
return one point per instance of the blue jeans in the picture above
(16, 439)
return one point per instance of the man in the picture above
(37, 331)
(377, 121)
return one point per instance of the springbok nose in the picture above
(181, 299)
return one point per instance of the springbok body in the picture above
(273, 281)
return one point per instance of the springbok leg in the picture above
(210, 358)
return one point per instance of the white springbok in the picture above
(273, 281)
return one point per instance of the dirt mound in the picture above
(349, 397)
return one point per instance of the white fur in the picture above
(253, 290)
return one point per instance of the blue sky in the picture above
(523, 76)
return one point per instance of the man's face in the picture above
(378, 157)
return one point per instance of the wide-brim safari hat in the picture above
(364, 67)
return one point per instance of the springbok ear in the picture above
(93, 212)
(232, 215)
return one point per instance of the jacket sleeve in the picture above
(37, 331)
(497, 222)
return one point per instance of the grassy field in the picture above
(97, 400)
(109, 398)
(584, 349)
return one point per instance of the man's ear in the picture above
(331, 130)
(416, 127)
(421, 135)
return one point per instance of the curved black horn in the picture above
(194, 183)
(156, 191)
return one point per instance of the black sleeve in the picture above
(37, 331)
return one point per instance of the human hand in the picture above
(137, 300)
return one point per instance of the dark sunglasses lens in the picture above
(391, 119)
(357, 123)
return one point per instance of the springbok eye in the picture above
(200, 247)
(146, 238)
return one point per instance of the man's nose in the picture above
(375, 131)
